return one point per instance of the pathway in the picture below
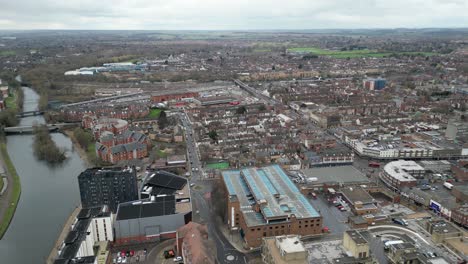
(6, 197)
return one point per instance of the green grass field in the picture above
(161, 154)
(11, 101)
(154, 113)
(7, 53)
(355, 53)
(1, 184)
(16, 191)
(218, 165)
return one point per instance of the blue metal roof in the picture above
(267, 182)
(253, 185)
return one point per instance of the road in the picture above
(203, 212)
(257, 93)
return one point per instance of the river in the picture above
(48, 194)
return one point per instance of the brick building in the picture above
(264, 202)
(460, 170)
(98, 126)
(128, 145)
(158, 98)
(460, 215)
(193, 244)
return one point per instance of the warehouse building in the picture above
(264, 202)
(164, 207)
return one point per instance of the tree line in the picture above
(45, 148)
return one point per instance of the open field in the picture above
(7, 53)
(218, 165)
(10, 102)
(154, 113)
(16, 191)
(355, 53)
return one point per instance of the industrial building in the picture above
(333, 177)
(164, 207)
(172, 96)
(264, 202)
(287, 249)
(401, 173)
(91, 226)
(215, 100)
(107, 186)
(359, 200)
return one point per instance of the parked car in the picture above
(314, 195)
(399, 221)
(177, 259)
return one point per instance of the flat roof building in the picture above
(264, 202)
(440, 230)
(91, 226)
(287, 249)
(360, 201)
(356, 244)
(401, 173)
(164, 207)
(338, 175)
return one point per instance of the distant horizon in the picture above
(240, 29)
(231, 15)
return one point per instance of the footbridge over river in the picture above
(30, 129)
(30, 113)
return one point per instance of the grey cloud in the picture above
(229, 14)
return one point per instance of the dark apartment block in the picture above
(107, 186)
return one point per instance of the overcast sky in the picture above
(231, 14)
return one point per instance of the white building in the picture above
(401, 173)
(90, 227)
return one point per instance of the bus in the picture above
(387, 244)
(374, 164)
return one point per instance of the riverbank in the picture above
(63, 234)
(84, 154)
(10, 199)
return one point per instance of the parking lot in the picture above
(333, 218)
(129, 256)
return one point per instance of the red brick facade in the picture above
(175, 96)
(253, 235)
(460, 170)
